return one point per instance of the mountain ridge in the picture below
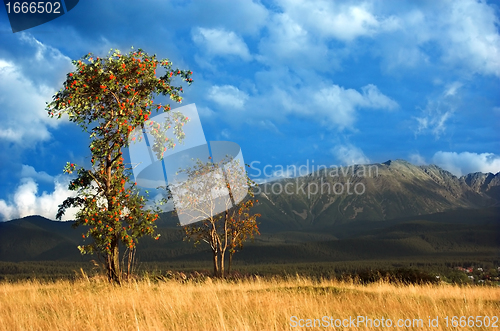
(398, 189)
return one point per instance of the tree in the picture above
(198, 196)
(108, 98)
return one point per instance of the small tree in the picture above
(108, 98)
(198, 198)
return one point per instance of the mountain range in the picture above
(392, 210)
(388, 190)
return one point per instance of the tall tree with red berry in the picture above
(108, 98)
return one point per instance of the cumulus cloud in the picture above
(463, 163)
(472, 36)
(24, 108)
(336, 105)
(349, 154)
(330, 105)
(287, 38)
(27, 201)
(25, 87)
(228, 96)
(29, 171)
(333, 19)
(219, 42)
(464, 33)
(287, 43)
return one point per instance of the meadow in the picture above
(255, 303)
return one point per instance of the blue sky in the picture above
(290, 81)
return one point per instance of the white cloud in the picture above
(43, 64)
(417, 159)
(336, 105)
(372, 98)
(328, 104)
(29, 171)
(340, 102)
(228, 96)
(287, 37)
(434, 120)
(221, 42)
(460, 34)
(438, 111)
(338, 20)
(290, 44)
(473, 35)
(25, 87)
(452, 89)
(463, 163)
(27, 201)
(349, 154)
(24, 108)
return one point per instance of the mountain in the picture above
(374, 192)
(393, 210)
(488, 184)
(456, 235)
(38, 238)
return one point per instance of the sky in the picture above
(292, 82)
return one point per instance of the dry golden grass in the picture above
(259, 304)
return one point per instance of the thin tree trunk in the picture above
(230, 262)
(115, 261)
(222, 275)
(130, 262)
(216, 264)
(224, 246)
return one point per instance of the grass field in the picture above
(251, 304)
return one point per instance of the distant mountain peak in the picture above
(398, 162)
(392, 189)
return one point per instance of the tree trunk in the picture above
(114, 262)
(130, 262)
(230, 262)
(222, 275)
(216, 264)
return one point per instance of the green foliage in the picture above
(109, 98)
